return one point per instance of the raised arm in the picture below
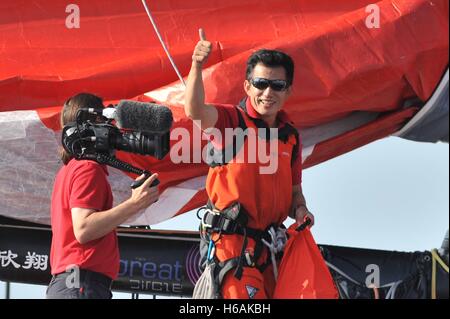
(195, 107)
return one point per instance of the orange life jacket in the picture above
(263, 191)
(265, 197)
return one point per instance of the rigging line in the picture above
(435, 259)
(393, 285)
(339, 271)
(162, 42)
(392, 290)
(436, 256)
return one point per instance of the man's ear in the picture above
(247, 86)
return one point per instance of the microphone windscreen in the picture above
(144, 117)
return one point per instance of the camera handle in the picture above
(136, 184)
(123, 166)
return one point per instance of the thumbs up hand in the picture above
(202, 49)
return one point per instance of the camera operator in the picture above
(84, 254)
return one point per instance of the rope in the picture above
(336, 269)
(435, 257)
(276, 245)
(376, 293)
(162, 42)
(390, 294)
(438, 258)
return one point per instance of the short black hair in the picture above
(271, 58)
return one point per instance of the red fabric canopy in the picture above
(342, 66)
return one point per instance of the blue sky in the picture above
(392, 194)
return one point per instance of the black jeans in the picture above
(91, 285)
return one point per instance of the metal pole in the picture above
(134, 295)
(7, 290)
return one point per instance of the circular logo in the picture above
(193, 263)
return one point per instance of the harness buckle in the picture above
(249, 259)
(275, 245)
(209, 218)
(226, 221)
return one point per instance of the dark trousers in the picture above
(87, 285)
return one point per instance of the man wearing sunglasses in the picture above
(243, 203)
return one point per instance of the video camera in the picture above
(135, 127)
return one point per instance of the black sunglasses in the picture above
(262, 84)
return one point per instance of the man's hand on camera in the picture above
(202, 49)
(144, 195)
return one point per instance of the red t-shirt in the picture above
(227, 117)
(81, 184)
